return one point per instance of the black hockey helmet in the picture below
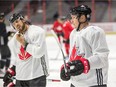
(16, 16)
(81, 9)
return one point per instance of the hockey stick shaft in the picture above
(51, 80)
(56, 38)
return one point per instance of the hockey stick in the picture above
(55, 36)
(51, 80)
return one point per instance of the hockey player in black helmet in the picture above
(29, 59)
(88, 61)
(81, 10)
(18, 16)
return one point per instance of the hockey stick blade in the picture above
(54, 80)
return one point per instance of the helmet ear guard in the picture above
(88, 17)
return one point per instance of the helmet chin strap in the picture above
(78, 27)
(78, 18)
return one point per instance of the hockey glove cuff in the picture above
(86, 65)
(79, 66)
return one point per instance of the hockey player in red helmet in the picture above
(58, 28)
(29, 59)
(88, 60)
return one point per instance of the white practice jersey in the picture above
(32, 62)
(91, 44)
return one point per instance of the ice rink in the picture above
(55, 62)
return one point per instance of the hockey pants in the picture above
(37, 82)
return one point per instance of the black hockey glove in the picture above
(9, 73)
(66, 41)
(63, 75)
(79, 66)
(9, 83)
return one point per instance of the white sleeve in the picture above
(100, 50)
(12, 45)
(38, 47)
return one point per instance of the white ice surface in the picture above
(53, 51)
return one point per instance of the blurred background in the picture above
(43, 11)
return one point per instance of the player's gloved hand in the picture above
(78, 66)
(64, 75)
(9, 83)
(9, 73)
(66, 41)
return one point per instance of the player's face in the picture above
(2, 20)
(74, 20)
(18, 25)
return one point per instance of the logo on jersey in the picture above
(23, 54)
(73, 53)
